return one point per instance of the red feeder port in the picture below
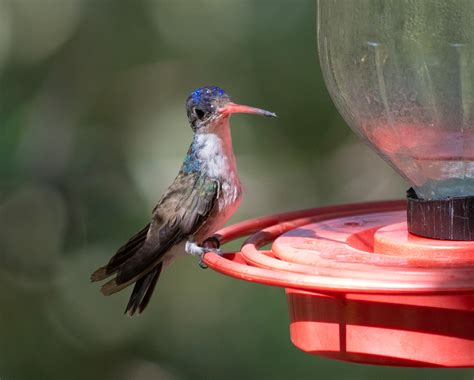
(360, 287)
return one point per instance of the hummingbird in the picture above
(202, 198)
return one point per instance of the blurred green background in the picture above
(93, 129)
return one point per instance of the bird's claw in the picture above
(202, 264)
(209, 245)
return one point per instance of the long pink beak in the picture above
(231, 108)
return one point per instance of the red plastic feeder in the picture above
(359, 286)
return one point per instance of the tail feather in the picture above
(139, 261)
(142, 291)
(123, 254)
(115, 285)
(145, 280)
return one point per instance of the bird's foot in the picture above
(193, 249)
(211, 244)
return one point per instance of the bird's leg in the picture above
(211, 244)
(194, 249)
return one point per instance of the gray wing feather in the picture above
(182, 211)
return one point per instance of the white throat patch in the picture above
(215, 154)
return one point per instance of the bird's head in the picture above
(208, 107)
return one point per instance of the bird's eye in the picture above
(199, 113)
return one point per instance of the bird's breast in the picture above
(228, 202)
(230, 194)
(218, 162)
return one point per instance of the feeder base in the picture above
(411, 331)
